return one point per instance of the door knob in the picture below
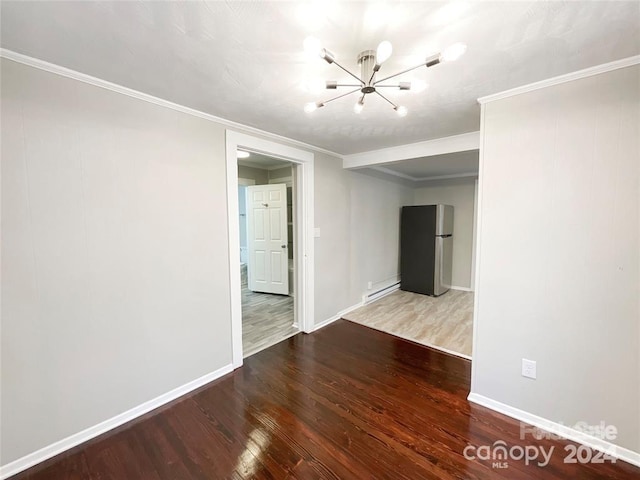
(284, 246)
(265, 204)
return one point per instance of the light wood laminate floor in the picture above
(444, 322)
(266, 319)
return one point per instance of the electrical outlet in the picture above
(369, 285)
(529, 368)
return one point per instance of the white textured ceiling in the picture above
(244, 60)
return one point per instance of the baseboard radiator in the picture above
(371, 296)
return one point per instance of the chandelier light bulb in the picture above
(383, 52)
(357, 108)
(453, 52)
(243, 154)
(327, 56)
(401, 111)
(312, 47)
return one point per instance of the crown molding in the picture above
(388, 171)
(97, 82)
(438, 146)
(568, 77)
(447, 177)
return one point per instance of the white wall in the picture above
(461, 194)
(114, 247)
(332, 250)
(559, 252)
(261, 176)
(374, 231)
(359, 220)
(115, 267)
(284, 172)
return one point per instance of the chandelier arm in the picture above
(340, 96)
(352, 74)
(389, 101)
(397, 74)
(397, 85)
(373, 74)
(348, 85)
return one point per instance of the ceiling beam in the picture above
(438, 146)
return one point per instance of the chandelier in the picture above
(370, 62)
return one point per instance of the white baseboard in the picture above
(77, 438)
(563, 431)
(326, 322)
(337, 316)
(462, 289)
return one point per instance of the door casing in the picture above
(304, 225)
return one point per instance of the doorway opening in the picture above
(278, 255)
(441, 318)
(267, 268)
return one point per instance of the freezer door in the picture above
(443, 262)
(417, 247)
(444, 219)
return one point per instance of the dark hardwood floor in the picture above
(346, 402)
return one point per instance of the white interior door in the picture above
(267, 238)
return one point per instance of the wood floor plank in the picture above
(124, 457)
(67, 468)
(346, 402)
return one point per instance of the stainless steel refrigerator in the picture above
(426, 249)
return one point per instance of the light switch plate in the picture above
(529, 368)
(316, 232)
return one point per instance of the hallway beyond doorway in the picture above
(266, 319)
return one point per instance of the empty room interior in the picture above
(320, 239)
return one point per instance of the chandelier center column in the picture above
(367, 61)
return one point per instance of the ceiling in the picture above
(244, 61)
(264, 162)
(436, 167)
